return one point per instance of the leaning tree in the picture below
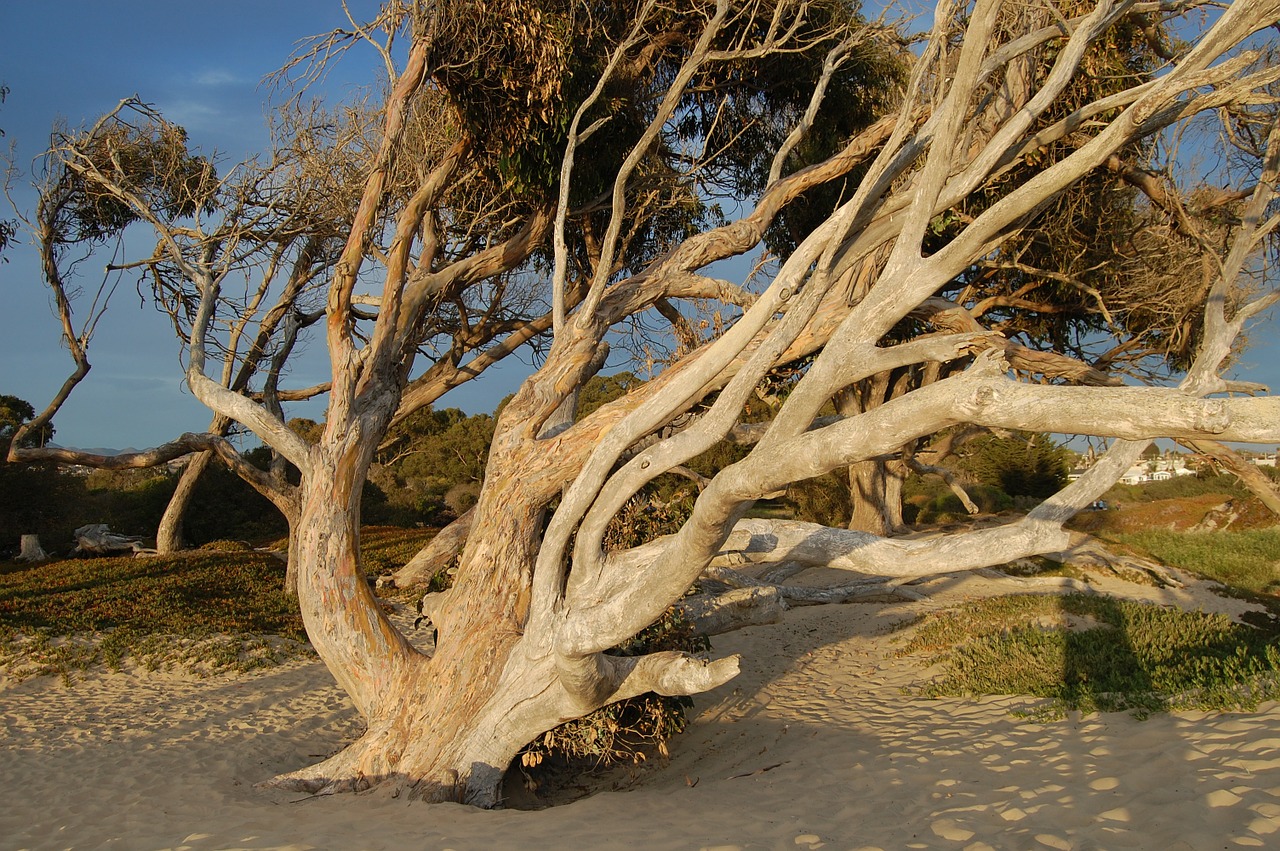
(596, 137)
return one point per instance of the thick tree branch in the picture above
(1249, 474)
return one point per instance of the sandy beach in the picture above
(815, 745)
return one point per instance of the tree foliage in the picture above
(1018, 464)
(148, 160)
(515, 72)
(14, 412)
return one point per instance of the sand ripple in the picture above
(815, 746)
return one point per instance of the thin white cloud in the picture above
(212, 122)
(197, 117)
(218, 77)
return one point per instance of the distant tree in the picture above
(31, 496)
(434, 459)
(602, 389)
(1019, 464)
(308, 429)
(14, 413)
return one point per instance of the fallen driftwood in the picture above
(97, 539)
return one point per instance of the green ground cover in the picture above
(1248, 559)
(203, 610)
(1093, 653)
(222, 608)
(218, 608)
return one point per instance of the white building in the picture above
(1157, 470)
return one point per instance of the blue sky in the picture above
(201, 64)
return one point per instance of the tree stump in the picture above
(30, 549)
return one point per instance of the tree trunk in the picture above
(895, 476)
(875, 490)
(868, 492)
(442, 727)
(169, 535)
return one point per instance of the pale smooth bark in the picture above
(169, 534)
(437, 555)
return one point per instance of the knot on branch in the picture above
(1212, 416)
(983, 396)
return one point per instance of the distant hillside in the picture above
(96, 450)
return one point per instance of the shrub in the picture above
(462, 497)
(990, 500)
(824, 499)
(225, 506)
(943, 508)
(34, 500)
(647, 516)
(622, 731)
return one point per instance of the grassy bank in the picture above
(218, 608)
(1089, 653)
(1247, 559)
(1092, 653)
(202, 611)
(222, 608)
